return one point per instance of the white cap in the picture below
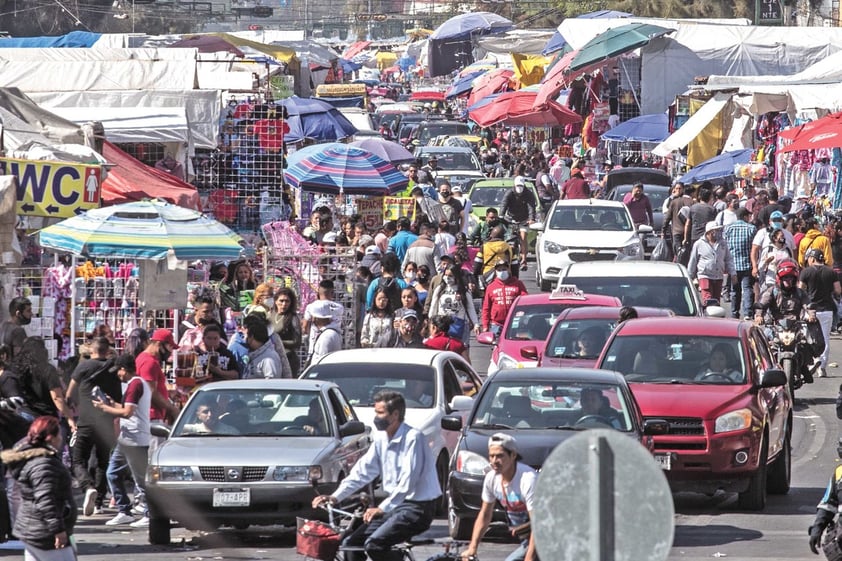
(520, 181)
(712, 226)
(322, 310)
(372, 250)
(455, 189)
(545, 180)
(330, 237)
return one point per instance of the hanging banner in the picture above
(370, 210)
(54, 189)
(395, 207)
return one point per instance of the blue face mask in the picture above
(777, 225)
(381, 423)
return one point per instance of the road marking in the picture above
(807, 416)
(819, 429)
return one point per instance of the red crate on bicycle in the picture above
(316, 540)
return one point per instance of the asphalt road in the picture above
(705, 527)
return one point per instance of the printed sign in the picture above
(370, 210)
(54, 189)
(395, 207)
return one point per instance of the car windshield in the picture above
(460, 161)
(254, 413)
(533, 322)
(547, 405)
(488, 196)
(432, 130)
(657, 194)
(677, 359)
(360, 382)
(579, 338)
(590, 218)
(672, 293)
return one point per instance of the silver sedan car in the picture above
(251, 452)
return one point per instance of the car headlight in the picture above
(471, 463)
(297, 473)
(171, 473)
(735, 420)
(552, 247)
(632, 249)
(506, 361)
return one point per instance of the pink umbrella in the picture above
(560, 76)
(489, 83)
(517, 109)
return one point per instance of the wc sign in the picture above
(54, 189)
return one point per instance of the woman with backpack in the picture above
(452, 298)
(378, 324)
(770, 256)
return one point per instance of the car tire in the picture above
(459, 528)
(754, 498)
(159, 531)
(442, 473)
(544, 286)
(780, 472)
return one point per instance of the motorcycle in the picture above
(794, 347)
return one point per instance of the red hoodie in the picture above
(499, 297)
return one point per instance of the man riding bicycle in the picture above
(519, 207)
(400, 456)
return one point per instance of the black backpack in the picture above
(392, 289)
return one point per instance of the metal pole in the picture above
(601, 499)
(631, 85)
(132, 16)
(369, 21)
(72, 306)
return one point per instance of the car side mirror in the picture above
(772, 378)
(159, 430)
(530, 352)
(715, 311)
(645, 229)
(537, 226)
(485, 338)
(656, 426)
(451, 422)
(351, 428)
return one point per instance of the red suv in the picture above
(727, 402)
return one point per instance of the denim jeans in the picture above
(137, 459)
(742, 294)
(825, 319)
(397, 526)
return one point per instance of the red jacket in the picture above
(442, 342)
(499, 297)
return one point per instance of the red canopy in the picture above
(489, 83)
(426, 95)
(821, 133)
(132, 180)
(517, 109)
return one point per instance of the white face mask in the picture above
(503, 275)
(409, 276)
(269, 303)
(518, 189)
(450, 281)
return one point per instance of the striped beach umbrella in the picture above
(342, 168)
(142, 230)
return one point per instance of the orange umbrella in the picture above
(489, 83)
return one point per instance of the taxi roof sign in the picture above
(567, 292)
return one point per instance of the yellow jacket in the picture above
(814, 239)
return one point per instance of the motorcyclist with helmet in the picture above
(825, 513)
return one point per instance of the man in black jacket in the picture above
(519, 206)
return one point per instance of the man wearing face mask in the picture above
(499, 297)
(710, 260)
(205, 314)
(452, 208)
(519, 206)
(400, 457)
(482, 230)
(148, 366)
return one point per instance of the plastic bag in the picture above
(662, 251)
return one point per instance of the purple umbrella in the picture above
(208, 44)
(386, 149)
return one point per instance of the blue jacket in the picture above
(400, 242)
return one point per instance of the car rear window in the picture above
(544, 405)
(672, 359)
(673, 293)
(361, 381)
(564, 340)
(533, 323)
(590, 218)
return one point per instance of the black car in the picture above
(541, 408)
(656, 186)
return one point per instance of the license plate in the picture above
(664, 461)
(229, 497)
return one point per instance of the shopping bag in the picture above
(662, 251)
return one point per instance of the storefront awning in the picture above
(694, 125)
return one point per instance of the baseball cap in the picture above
(506, 441)
(322, 310)
(372, 250)
(163, 336)
(712, 226)
(447, 257)
(777, 215)
(330, 237)
(124, 361)
(501, 263)
(520, 181)
(365, 240)
(455, 189)
(409, 313)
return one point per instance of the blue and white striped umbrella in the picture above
(341, 168)
(143, 230)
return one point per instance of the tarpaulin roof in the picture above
(74, 39)
(646, 128)
(207, 44)
(282, 54)
(132, 180)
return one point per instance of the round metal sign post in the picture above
(602, 497)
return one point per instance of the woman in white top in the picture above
(770, 256)
(452, 298)
(378, 324)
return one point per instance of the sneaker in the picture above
(822, 373)
(142, 523)
(99, 510)
(89, 504)
(139, 509)
(524, 266)
(121, 518)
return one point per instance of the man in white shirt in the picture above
(467, 205)
(400, 456)
(327, 338)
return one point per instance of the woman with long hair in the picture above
(40, 383)
(287, 324)
(240, 278)
(136, 342)
(452, 298)
(47, 514)
(378, 324)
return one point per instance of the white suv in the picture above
(580, 230)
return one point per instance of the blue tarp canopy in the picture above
(646, 128)
(356, 101)
(555, 44)
(604, 14)
(349, 66)
(313, 118)
(406, 62)
(718, 169)
(74, 39)
(463, 84)
(464, 26)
